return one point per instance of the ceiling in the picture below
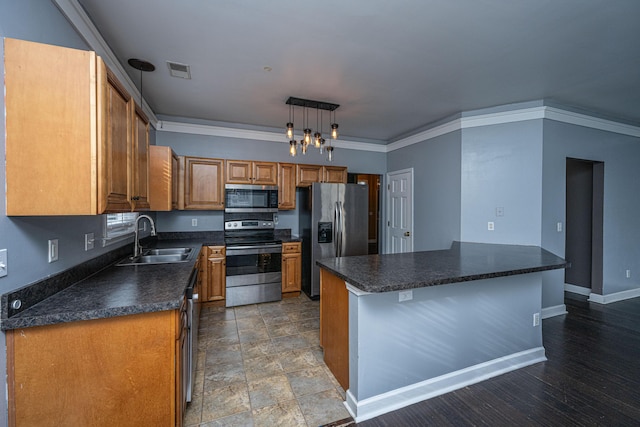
(393, 66)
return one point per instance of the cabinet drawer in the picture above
(288, 248)
(216, 250)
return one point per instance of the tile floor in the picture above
(262, 365)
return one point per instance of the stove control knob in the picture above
(235, 224)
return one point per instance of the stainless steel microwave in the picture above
(250, 198)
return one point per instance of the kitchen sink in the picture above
(159, 256)
(167, 251)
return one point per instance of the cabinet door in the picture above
(308, 174)
(139, 167)
(286, 186)
(117, 146)
(216, 278)
(265, 173)
(291, 272)
(163, 178)
(203, 183)
(239, 172)
(335, 174)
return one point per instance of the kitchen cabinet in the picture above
(163, 178)
(291, 269)
(201, 183)
(334, 174)
(251, 172)
(69, 134)
(286, 186)
(139, 161)
(308, 174)
(117, 371)
(214, 280)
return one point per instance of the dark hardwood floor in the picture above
(591, 378)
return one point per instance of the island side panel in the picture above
(442, 330)
(334, 325)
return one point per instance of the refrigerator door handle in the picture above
(341, 228)
(336, 231)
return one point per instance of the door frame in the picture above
(389, 205)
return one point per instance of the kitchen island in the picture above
(400, 328)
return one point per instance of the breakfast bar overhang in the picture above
(400, 328)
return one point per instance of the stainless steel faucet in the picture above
(137, 249)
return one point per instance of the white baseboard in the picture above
(617, 296)
(399, 398)
(580, 290)
(556, 310)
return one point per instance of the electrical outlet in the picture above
(536, 319)
(405, 296)
(3, 262)
(628, 273)
(53, 250)
(559, 227)
(194, 222)
(499, 211)
(88, 241)
(490, 226)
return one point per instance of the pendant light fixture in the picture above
(308, 137)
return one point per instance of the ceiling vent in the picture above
(179, 70)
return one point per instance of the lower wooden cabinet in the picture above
(291, 269)
(118, 371)
(214, 273)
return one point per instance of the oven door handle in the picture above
(233, 248)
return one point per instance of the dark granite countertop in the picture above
(100, 289)
(461, 263)
(114, 291)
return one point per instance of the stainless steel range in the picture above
(254, 259)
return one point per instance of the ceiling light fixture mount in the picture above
(307, 139)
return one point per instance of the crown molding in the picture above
(79, 19)
(524, 114)
(226, 132)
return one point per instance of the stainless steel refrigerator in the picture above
(333, 222)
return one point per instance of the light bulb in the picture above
(330, 153)
(290, 130)
(292, 148)
(307, 136)
(334, 131)
(316, 139)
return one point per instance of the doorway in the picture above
(400, 211)
(584, 230)
(373, 181)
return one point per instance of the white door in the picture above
(400, 217)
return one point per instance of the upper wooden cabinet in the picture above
(336, 174)
(308, 174)
(286, 186)
(251, 172)
(201, 183)
(69, 134)
(139, 161)
(163, 178)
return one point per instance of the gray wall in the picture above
(436, 189)
(502, 168)
(620, 155)
(356, 161)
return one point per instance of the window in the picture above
(118, 226)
